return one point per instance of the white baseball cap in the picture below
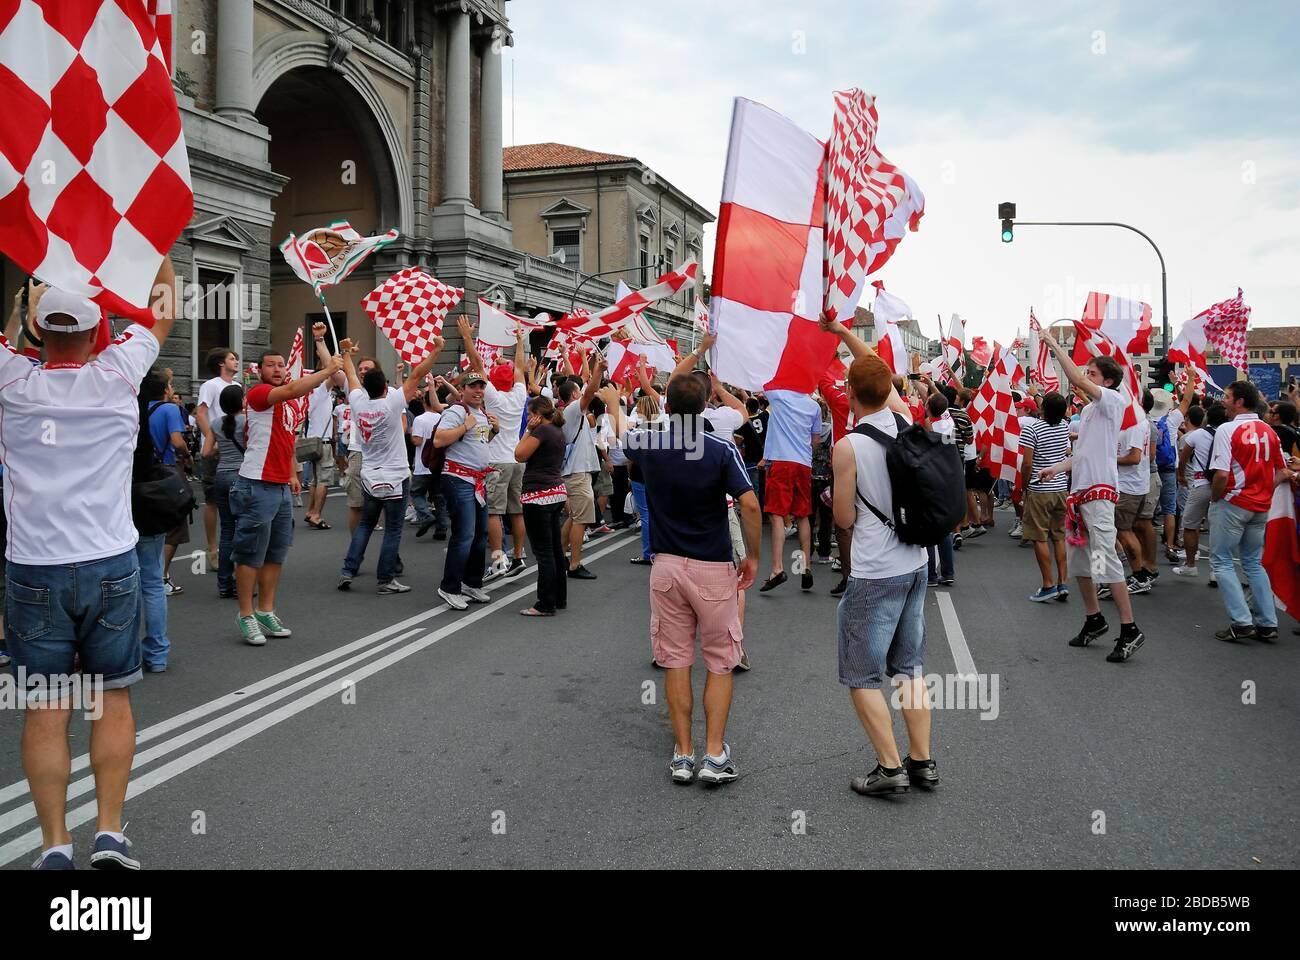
(84, 313)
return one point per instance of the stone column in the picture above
(456, 182)
(490, 174)
(235, 60)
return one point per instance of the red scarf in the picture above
(478, 476)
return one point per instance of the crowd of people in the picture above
(515, 457)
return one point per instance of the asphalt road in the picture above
(393, 732)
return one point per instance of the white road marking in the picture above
(31, 840)
(961, 657)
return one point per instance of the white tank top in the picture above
(877, 553)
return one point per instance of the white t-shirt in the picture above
(944, 426)
(382, 442)
(725, 420)
(67, 435)
(508, 407)
(343, 424)
(1135, 478)
(1094, 450)
(1198, 461)
(424, 426)
(320, 411)
(210, 396)
(877, 552)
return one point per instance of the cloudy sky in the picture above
(1179, 119)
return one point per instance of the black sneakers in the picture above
(807, 582)
(881, 781)
(1267, 634)
(1236, 634)
(1092, 630)
(1130, 639)
(839, 588)
(921, 773)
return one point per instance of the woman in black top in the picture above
(543, 498)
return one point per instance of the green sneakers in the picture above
(271, 625)
(251, 631)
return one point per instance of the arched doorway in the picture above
(326, 140)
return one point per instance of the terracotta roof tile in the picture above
(547, 156)
(1273, 337)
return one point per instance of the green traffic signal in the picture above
(1007, 234)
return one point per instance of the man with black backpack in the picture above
(882, 614)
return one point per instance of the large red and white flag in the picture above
(1124, 322)
(1225, 328)
(326, 256)
(94, 177)
(1042, 365)
(993, 416)
(863, 190)
(410, 308)
(1282, 550)
(496, 327)
(906, 218)
(1094, 343)
(767, 270)
(630, 306)
(953, 348)
(887, 311)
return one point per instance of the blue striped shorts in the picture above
(882, 629)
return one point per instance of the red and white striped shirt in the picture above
(270, 442)
(1250, 453)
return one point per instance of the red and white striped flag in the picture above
(863, 190)
(1094, 343)
(993, 415)
(94, 176)
(410, 308)
(1282, 550)
(953, 347)
(602, 324)
(1123, 322)
(1225, 328)
(1041, 363)
(295, 411)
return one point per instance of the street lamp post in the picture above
(1164, 285)
(592, 276)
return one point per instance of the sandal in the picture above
(317, 524)
(534, 612)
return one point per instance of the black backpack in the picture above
(161, 499)
(928, 481)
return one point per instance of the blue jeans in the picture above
(467, 549)
(263, 522)
(153, 600)
(422, 489)
(53, 613)
(882, 630)
(1234, 529)
(394, 512)
(221, 485)
(643, 508)
(945, 558)
(1168, 492)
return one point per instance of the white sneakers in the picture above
(454, 600)
(1181, 571)
(1016, 530)
(474, 595)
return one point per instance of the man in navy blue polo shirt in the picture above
(694, 584)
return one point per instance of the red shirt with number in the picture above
(1250, 453)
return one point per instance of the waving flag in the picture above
(1123, 322)
(94, 177)
(993, 415)
(887, 311)
(701, 317)
(1225, 328)
(980, 352)
(1094, 343)
(496, 327)
(323, 260)
(410, 308)
(906, 218)
(952, 348)
(863, 190)
(602, 324)
(1042, 365)
(294, 411)
(1282, 550)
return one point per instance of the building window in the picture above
(645, 261)
(217, 311)
(347, 9)
(1270, 354)
(1254, 354)
(1288, 354)
(391, 15)
(570, 241)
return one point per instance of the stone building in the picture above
(586, 220)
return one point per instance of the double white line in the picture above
(397, 639)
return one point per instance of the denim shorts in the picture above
(882, 629)
(1168, 492)
(263, 522)
(53, 613)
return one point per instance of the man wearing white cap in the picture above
(73, 581)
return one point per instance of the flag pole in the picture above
(329, 321)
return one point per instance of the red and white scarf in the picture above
(479, 477)
(544, 498)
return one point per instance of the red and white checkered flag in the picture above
(1225, 328)
(863, 189)
(1097, 344)
(602, 324)
(94, 178)
(410, 308)
(993, 415)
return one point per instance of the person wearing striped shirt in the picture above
(1045, 443)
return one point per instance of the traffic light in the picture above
(1161, 374)
(1007, 211)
